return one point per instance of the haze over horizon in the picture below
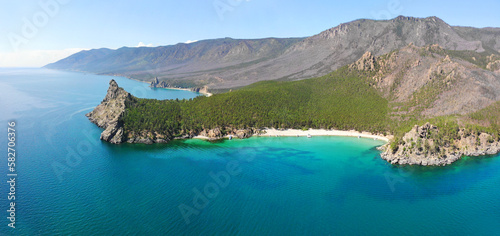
(41, 32)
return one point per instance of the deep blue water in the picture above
(69, 182)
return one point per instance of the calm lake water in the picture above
(71, 183)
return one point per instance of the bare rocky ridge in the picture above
(418, 147)
(428, 82)
(231, 63)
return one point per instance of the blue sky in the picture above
(38, 32)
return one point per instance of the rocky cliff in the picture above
(427, 145)
(107, 114)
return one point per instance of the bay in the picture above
(69, 182)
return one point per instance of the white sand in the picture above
(323, 132)
(315, 132)
(185, 89)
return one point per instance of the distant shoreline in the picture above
(142, 81)
(183, 89)
(313, 132)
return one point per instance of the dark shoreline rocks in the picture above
(147, 137)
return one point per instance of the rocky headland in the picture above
(108, 114)
(425, 145)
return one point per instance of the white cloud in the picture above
(35, 58)
(141, 44)
(191, 41)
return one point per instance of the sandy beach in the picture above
(314, 132)
(323, 132)
(188, 89)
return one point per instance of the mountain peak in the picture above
(416, 19)
(401, 17)
(113, 91)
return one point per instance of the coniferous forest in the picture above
(341, 100)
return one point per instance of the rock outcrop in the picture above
(493, 63)
(147, 137)
(366, 63)
(217, 133)
(421, 146)
(200, 90)
(157, 84)
(107, 115)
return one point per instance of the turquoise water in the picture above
(69, 182)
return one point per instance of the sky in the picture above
(34, 33)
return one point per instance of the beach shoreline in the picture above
(312, 132)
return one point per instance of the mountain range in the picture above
(224, 64)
